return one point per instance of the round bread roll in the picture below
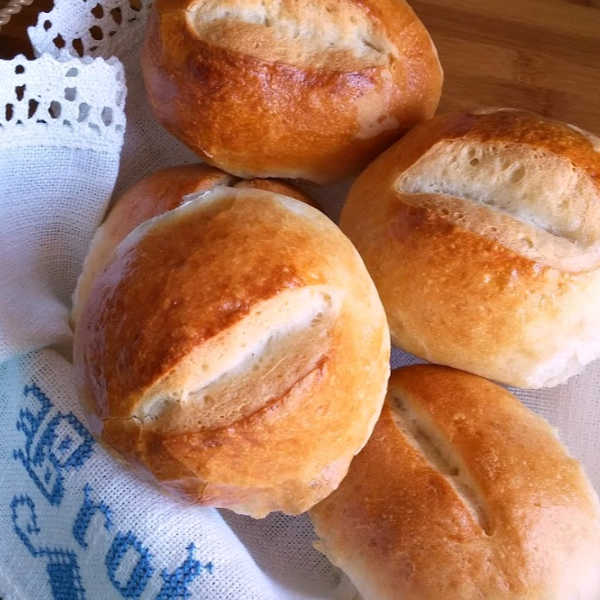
(289, 88)
(462, 493)
(224, 350)
(481, 231)
(155, 194)
(278, 187)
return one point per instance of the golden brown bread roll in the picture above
(224, 350)
(151, 196)
(278, 187)
(462, 493)
(292, 88)
(481, 231)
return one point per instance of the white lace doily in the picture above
(80, 115)
(106, 28)
(102, 28)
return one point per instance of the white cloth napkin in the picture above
(73, 523)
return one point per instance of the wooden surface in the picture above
(543, 55)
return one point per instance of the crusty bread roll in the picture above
(462, 493)
(224, 349)
(481, 231)
(151, 196)
(289, 88)
(278, 187)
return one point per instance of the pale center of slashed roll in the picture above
(281, 343)
(422, 435)
(555, 205)
(334, 33)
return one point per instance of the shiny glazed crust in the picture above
(481, 231)
(223, 350)
(289, 89)
(462, 493)
(151, 196)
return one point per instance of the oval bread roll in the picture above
(481, 231)
(462, 493)
(278, 187)
(151, 196)
(289, 88)
(223, 349)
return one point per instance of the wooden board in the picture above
(542, 55)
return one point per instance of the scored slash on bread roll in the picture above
(462, 493)
(151, 196)
(223, 350)
(481, 231)
(289, 88)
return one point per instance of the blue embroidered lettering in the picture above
(85, 514)
(29, 423)
(65, 579)
(141, 572)
(64, 444)
(22, 510)
(55, 443)
(62, 568)
(175, 586)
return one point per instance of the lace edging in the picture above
(50, 102)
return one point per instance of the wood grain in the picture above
(542, 55)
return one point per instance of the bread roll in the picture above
(462, 493)
(278, 187)
(223, 349)
(155, 194)
(481, 231)
(290, 88)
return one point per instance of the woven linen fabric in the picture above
(74, 523)
(60, 139)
